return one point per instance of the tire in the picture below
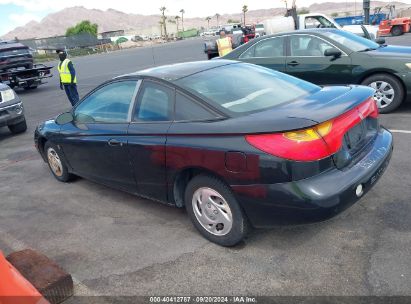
(30, 88)
(219, 210)
(386, 82)
(56, 165)
(397, 31)
(18, 128)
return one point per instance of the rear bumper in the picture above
(317, 198)
(11, 115)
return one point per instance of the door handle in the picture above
(293, 63)
(114, 143)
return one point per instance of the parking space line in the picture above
(401, 131)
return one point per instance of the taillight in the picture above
(317, 142)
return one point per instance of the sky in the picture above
(15, 13)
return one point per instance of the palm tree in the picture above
(182, 11)
(245, 10)
(171, 21)
(218, 17)
(161, 28)
(208, 22)
(163, 17)
(177, 18)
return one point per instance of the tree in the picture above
(208, 22)
(233, 21)
(161, 28)
(245, 10)
(347, 14)
(334, 15)
(121, 40)
(182, 11)
(177, 18)
(163, 17)
(218, 18)
(303, 11)
(84, 26)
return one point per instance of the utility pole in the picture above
(366, 7)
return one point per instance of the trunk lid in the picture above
(328, 103)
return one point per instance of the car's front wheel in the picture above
(18, 128)
(215, 211)
(56, 163)
(389, 92)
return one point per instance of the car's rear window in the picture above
(14, 52)
(243, 88)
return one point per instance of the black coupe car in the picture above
(234, 143)
(335, 57)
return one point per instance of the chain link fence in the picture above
(77, 45)
(82, 40)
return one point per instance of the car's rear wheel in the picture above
(30, 86)
(215, 211)
(389, 92)
(18, 128)
(56, 163)
(397, 31)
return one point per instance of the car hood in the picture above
(392, 51)
(325, 104)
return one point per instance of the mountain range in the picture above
(55, 24)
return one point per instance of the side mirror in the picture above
(64, 118)
(332, 52)
(380, 41)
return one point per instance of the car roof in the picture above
(10, 45)
(303, 31)
(177, 71)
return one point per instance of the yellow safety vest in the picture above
(224, 46)
(65, 75)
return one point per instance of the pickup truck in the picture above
(11, 110)
(315, 20)
(17, 68)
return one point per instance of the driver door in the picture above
(95, 143)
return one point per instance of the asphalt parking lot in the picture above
(117, 244)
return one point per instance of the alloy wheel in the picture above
(212, 211)
(55, 162)
(384, 93)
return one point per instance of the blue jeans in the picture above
(72, 94)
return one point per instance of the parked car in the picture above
(17, 68)
(15, 55)
(332, 57)
(234, 143)
(11, 110)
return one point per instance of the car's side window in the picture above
(273, 47)
(308, 46)
(109, 104)
(155, 103)
(188, 109)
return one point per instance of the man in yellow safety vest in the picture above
(68, 79)
(224, 44)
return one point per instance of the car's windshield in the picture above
(352, 41)
(243, 88)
